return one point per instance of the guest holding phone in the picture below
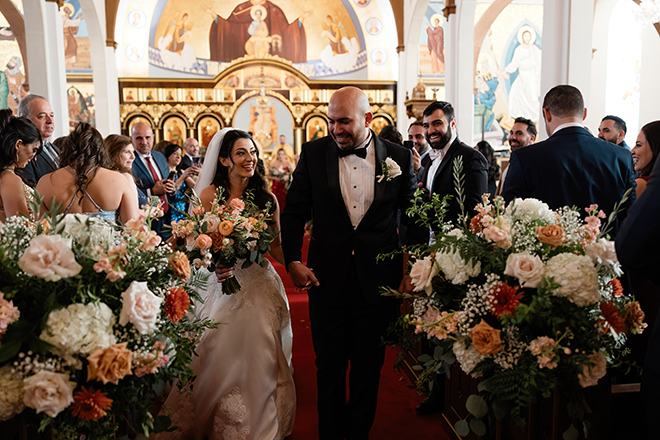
(182, 181)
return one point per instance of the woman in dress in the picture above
(19, 142)
(121, 155)
(280, 172)
(493, 167)
(244, 385)
(645, 152)
(182, 181)
(83, 185)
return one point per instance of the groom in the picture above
(338, 185)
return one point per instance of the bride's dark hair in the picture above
(257, 183)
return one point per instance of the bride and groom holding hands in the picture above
(244, 387)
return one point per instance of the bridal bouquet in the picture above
(94, 321)
(231, 230)
(525, 298)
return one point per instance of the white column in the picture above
(401, 116)
(648, 81)
(104, 68)
(45, 52)
(567, 34)
(459, 68)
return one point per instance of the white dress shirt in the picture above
(568, 124)
(357, 179)
(436, 164)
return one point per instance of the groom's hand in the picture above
(302, 276)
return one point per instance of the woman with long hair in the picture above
(493, 167)
(19, 143)
(250, 375)
(121, 156)
(81, 185)
(645, 152)
(182, 181)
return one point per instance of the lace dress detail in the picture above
(244, 388)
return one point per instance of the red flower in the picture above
(617, 288)
(505, 299)
(176, 304)
(475, 223)
(90, 404)
(613, 318)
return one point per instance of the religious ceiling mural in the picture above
(432, 42)
(334, 40)
(12, 72)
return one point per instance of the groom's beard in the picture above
(439, 145)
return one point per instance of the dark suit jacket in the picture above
(143, 177)
(572, 168)
(475, 169)
(186, 162)
(315, 193)
(39, 167)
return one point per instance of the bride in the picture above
(244, 385)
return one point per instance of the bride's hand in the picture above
(222, 273)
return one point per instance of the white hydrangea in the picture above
(80, 328)
(530, 209)
(456, 233)
(455, 268)
(577, 278)
(82, 228)
(467, 358)
(11, 393)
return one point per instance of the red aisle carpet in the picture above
(395, 418)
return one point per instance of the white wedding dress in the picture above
(244, 387)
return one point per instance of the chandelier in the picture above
(647, 11)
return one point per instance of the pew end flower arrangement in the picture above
(523, 297)
(232, 230)
(94, 320)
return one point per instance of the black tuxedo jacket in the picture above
(572, 168)
(315, 194)
(475, 169)
(39, 167)
(186, 162)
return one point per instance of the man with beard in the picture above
(416, 134)
(522, 134)
(437, 177)
(613, 129)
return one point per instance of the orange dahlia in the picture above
(505, 299)
(90, 404)
(617, 288)
(176, 304)
(613, 318)
(181, 266)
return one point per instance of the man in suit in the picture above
(416, 134)
(191, 148)
(637, 244)
(522, 133)
(613, 129)
(571, 167)
(150, 170)
(338, 185)
(38, 110)
(438, 177)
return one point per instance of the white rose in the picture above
(526, 267)
(603, 252)
(48, 392)
(530, 209)
(577, 278)
(49, 257)
(140, 307)
(212, 222)
(11, 393)
(191, 243)
(422, 273)
(393, 168)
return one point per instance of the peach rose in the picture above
(526, 267)
(500, 236)
(212, 223)
(140, 307)
(237, 205)
(226, 228)
(204, 241)
(591, 375)
(181, 266)
(486, 339)
(48, 392)
(552, 234)
(110, 365)
(49, 257)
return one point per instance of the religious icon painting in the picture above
(189, 95)
(379, 56)
(387, 96)
(134, 53)
(373, 26)
(168, 95)
(137, 18)
(208, 95)
(130, 94)
(137, 119)
(361, 3)
(229, 95)
(316, 127)
(371, 94)
(207, 127)
(174, 130)
(149, 95)
(295, 95)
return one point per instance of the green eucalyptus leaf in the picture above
(424, 358)
(477, 406)
(462, 428)
(571, 433)
(478, 427)
(437, 353)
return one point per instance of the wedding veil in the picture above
(207, 174)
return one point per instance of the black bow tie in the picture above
(360, 152)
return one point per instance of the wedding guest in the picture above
(19, 141)
(191, 156)
(645, 153)
(354, 220)
(121, 155)
(522, 133)
(160, 145)
(182, 181)
(493, 167)
(38, 110)
(279, 173)
(390, 133)
(81, 185)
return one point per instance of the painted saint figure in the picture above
(70, 27)
(525, 93)
(436, 45)
(228, 37)
(180, 29)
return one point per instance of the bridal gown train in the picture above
(244, 388)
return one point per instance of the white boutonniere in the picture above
(391, 170)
